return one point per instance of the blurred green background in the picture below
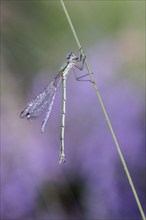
(35, 39)
(36, 32)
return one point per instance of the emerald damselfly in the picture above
(44, 101)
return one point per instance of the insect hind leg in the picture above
(80, 78)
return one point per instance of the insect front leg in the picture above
(79, 64)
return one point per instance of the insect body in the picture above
(44, 101)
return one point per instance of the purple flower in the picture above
(92, 183)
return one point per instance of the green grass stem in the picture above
(106, 116)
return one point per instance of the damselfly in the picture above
(44, 101)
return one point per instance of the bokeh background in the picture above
(35, 39)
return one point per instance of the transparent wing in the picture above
(49, 108)
(42, 102)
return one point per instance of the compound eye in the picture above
(69, 56)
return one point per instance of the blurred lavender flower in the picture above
(92, 183)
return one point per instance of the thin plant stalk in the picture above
(106, 115)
